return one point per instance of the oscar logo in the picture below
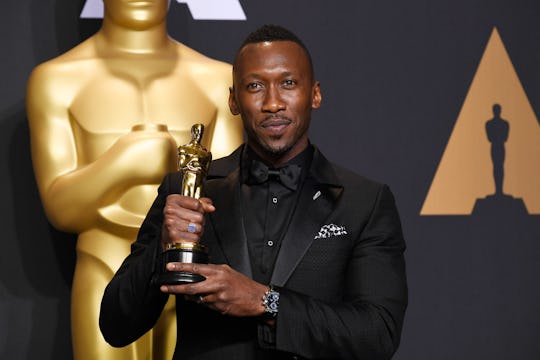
(193, 162)
(490, 164)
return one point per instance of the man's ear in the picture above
(316, 96)
(233, 106)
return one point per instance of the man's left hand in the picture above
(224, 290)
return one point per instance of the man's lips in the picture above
(275, 124)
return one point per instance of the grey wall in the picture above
(395, 75)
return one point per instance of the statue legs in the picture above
(92, 274)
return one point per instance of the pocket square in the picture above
(331, 230)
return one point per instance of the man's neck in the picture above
(275, 161)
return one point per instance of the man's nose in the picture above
(273, 101)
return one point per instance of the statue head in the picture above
(197, 133)
(496, 110)
(136, 15)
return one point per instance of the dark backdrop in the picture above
(394, 76)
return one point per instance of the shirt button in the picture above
(274, 200)
(270, 243)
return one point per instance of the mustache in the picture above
(274, 119)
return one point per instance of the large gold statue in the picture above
(105, 120)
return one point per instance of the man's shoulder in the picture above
(222, 167)
(351, 176)
(330, 172)
(362, 192)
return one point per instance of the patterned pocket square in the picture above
(330, 230)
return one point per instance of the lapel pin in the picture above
(317, 194)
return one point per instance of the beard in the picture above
(273, 148)
(276, 151)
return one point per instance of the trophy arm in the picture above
(72, 193)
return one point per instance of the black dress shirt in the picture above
(267, 209)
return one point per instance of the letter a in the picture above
(200, 9)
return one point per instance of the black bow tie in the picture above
(288, 175)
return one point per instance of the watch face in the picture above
(271, 302)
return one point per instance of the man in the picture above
(105, 120)
(307, 265)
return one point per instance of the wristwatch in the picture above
(270, 301)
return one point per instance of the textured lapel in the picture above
(318, 198)
(227, 220)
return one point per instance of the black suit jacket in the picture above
(340, 272)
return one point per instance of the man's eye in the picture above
(253, 86)
(289, 83)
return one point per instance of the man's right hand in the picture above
(184, 219)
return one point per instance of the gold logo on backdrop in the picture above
(493, 154)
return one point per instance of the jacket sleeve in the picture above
(367, 322)
(131, 303)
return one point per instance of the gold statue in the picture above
(105, 120)
(194, 161)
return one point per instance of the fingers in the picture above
(211, 272)
(187, 208)
(205, 270)
(178, 230)
(224, 290)
(203, 204)
(199, 299)
(207, 205)
(184, 218)
(220, 279)
(178, 204)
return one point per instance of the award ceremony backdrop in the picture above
(408, 87)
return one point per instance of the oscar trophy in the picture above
(193, 163)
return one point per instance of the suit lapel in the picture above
(318, 196)
(228, 221)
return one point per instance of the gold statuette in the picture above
(193, 163)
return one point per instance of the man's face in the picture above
(274, 92)
(136, 14)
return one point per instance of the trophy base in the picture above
(184, 253)
(179, 278)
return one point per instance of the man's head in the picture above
(274, 91)
(271, 33)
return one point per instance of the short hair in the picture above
(270, 33)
